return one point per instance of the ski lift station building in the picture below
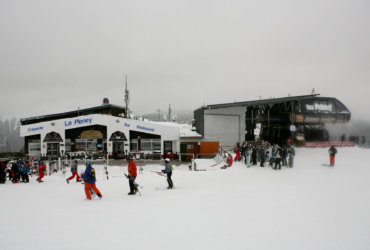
(277, 120)
(97, 129)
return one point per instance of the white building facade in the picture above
(98, 133)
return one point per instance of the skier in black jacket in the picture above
(2, 172)
(254, 155)
(15, 173)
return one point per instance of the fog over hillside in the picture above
(353, 128)
(179, 116)
(10, 140)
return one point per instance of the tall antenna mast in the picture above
(159, 114)
(127, 99)
(169, 113)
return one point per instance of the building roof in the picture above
(270, 101)
(108, 109)
(186, 130)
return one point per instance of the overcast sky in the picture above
(56, 56)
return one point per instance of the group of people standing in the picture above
(20, 170)
(273, 155)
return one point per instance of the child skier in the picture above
(89, 178)
(42, 170)
(237, 156)
(168, 171)
(74, 172)
(229, 160)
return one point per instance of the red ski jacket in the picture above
(42, 169)
(132, 170)
(230, 160)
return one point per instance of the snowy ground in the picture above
(311, 206)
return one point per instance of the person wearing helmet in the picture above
(168, 171)
(90, 179)
(132, 173)
(74, 172)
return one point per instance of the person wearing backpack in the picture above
(90, 179)
(168, 170)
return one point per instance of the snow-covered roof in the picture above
(186, 130)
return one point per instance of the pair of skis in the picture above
(159, 173)
(137, 186)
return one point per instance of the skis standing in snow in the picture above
(168, 170)
(248, 153)
(74, 172)
(291, 154)
(106, 168)
(89, 178)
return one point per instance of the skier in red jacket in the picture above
(42, 170)
(132, 173)
(230, 160)
(237, 156)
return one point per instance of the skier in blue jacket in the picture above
(168, 171)
(90, 179)
(25, 172)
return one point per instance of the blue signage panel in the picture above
(145, 128)
(35, 129)
(78, 122)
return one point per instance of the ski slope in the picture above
(310, 206)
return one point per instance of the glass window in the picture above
(156, 144)
(146, 144)
(133, 145)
